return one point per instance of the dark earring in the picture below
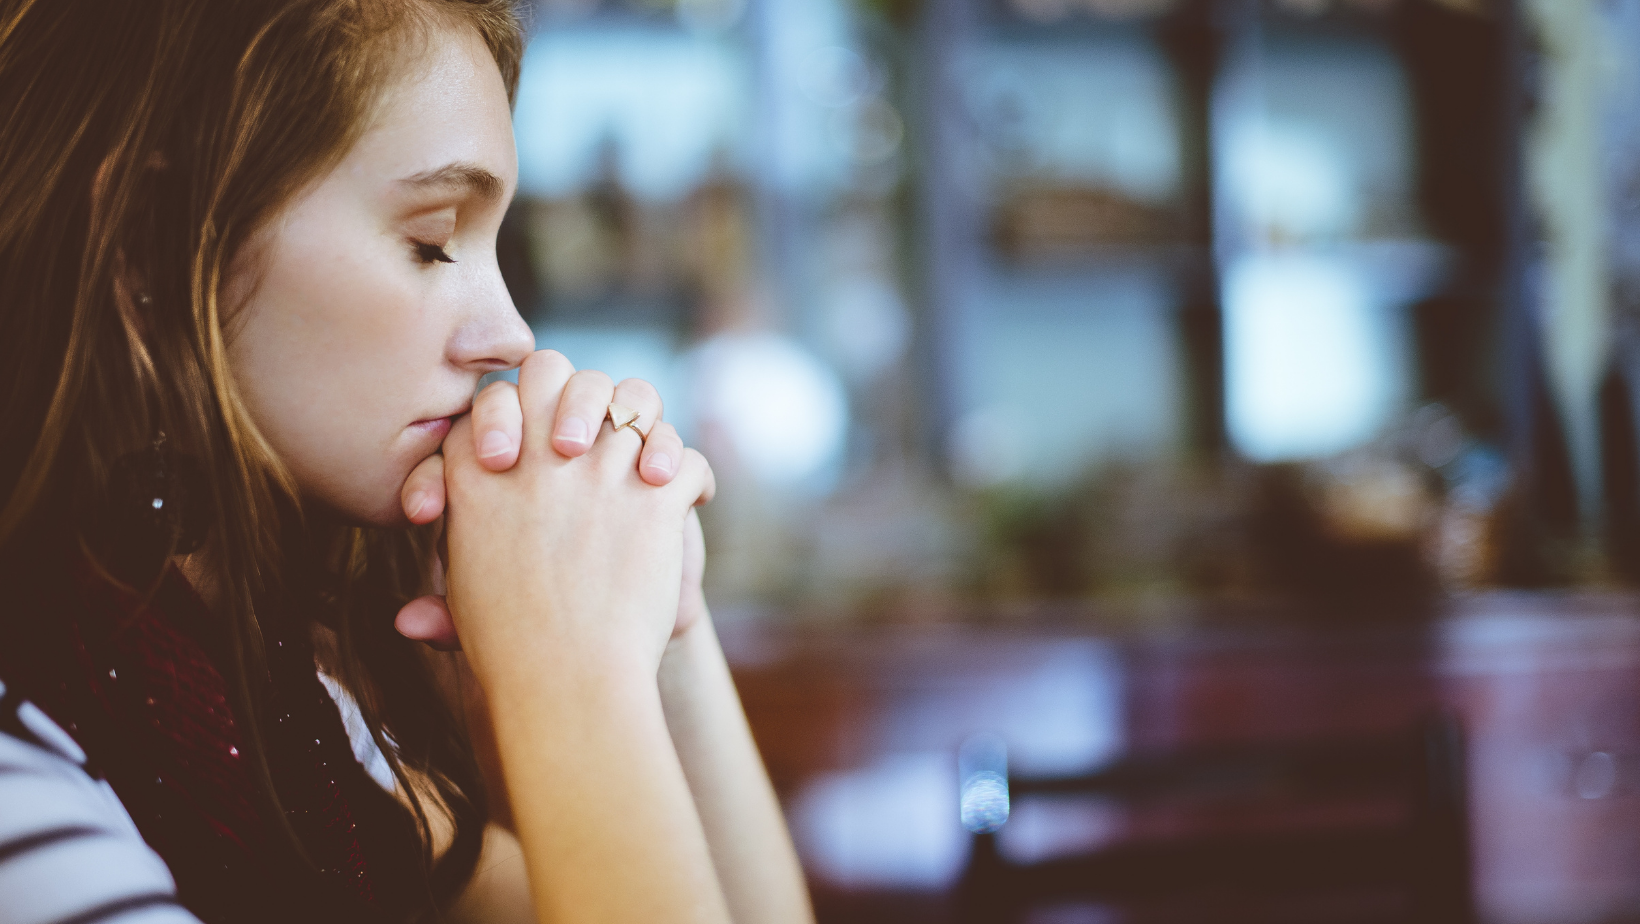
(157, 507)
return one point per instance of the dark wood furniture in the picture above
(1348, 830)
(1547, 686)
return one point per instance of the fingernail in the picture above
(573, 430)
(495, 443)
(418, 501)
(660, 463)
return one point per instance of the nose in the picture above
(492, 335)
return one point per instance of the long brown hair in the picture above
(142, 142)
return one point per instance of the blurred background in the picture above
(1178, 457)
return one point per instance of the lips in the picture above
(436, 427)
(444, 418)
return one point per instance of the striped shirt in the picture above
(69, 852)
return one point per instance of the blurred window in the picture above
(1320, 243)
(1068, 173)
(666, 103)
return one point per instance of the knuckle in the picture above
(593, 380)
(641, 389)
(546, 359)
(692, 469)
(495, 399)
(494, 389)
(423, 474)
(543, 372)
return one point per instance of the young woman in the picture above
(247, 290)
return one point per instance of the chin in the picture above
(388, 510)
(385, 515)
(376, 504)
(390, 517)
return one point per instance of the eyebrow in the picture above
(469, 177)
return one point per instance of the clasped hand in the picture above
(560, 532)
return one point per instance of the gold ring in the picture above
(625, 418)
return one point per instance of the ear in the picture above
(131, 295)
(131, 290)
(134, 299)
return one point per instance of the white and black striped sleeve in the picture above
(69, 853)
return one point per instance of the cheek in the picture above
(328, 351)
(317, 328)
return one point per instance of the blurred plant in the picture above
(1375, 534)
(1130, 532)
(1345, 540)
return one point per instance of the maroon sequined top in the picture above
(138, 687)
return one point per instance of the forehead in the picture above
(447, 107)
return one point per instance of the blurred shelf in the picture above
(1101, 260)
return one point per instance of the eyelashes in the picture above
(431, 253)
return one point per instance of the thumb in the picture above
(427, 620)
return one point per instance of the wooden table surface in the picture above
(860, 730)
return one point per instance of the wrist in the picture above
(691, 613)
(688, 660)
(693, 621)
(537, 663)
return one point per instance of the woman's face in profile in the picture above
(373, 302)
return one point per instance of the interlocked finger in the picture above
(423, 493)
(662, 453)
(549, 386)
(498, 424)
(541, 382)
(581, 409)
(695, 479)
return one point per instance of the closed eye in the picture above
(431, 253)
